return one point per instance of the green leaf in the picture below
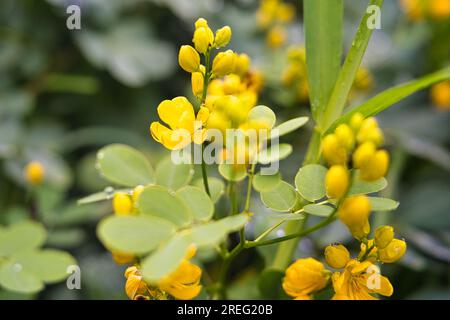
(347, 74)
(393, 95)
(159, 202)
(22, 236)
(198, 202)
(14, 277)
(263, 114)
(264, 183)
(124, 166)
(47, 265)
(287, 127)
(282, 198)
(165, 259)
(360, 186)
(174, 176)
(274, 153)
(310, 182)
(134, 234)
(319, 210)
(323, 49)
(212, 233)
(233, 172)
(383, 204)
(216, 187)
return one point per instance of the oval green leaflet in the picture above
(125, 166)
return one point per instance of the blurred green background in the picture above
(65, 93)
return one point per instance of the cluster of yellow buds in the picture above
(384, 247)
(294, 75)
(182, 284)
(419, 9)
(360, 138)
(34, 173)
(440, 95)
(274, 15)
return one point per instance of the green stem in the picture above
(206, 78)
(205, 173)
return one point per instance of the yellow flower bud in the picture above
(305, 276)
(203, 38)
(356, 121)
(122, 204)
(370, 131)
(337, 256)
(383, 236)
(354, 213)
(136, 193)
(276, 37)
(201, 23)
(242, 64)
(197, 82)
(345, 136)
(363, 154)
(34, 173)
(188, 59)
(337, 181)
(440, 95)
(224, 63)
(393, 252)
(333, 151)
(376, 166)
(223, 36)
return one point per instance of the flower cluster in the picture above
(183, 283)
(274, 15)
(419, 9)
(355, 144)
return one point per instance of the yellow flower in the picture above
(333, 151)
(337, 256)
(363, 79)
(242, 64)
(224, 63)
(337, 181)
(183, 283)
(303, 297)
(188, 59)
(370, 131)
(356, 283)
(354, 213)
(122, 258)
(393, 251)
(383, 236)
(345, 136)
(201, 22)
(285, 12)
(184, 127)
(440, 95)
(34, 172)
(276, 37)
(414, 9)
(135, 286)
(439, 9)
(122, 204)
(223, 36)
(203, 39)
(305, 276)
(356, 121)
(197, 82)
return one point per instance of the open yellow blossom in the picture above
(34, 172)
(337, 181)
(184, 282)
(122, 204)
(356, 282)
(183, 126)
(304, 277)
(354, 213)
